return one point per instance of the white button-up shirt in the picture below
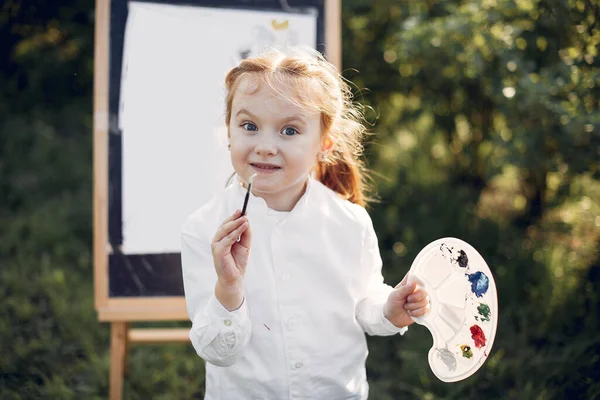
(313, 287)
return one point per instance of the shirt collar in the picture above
(258, 206)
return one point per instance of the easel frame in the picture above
(120, 312)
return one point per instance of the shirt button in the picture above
(298, 365)
(227, 322)
(285, 277)
(291, 324)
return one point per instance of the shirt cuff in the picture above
(391, 328)
(239, 316)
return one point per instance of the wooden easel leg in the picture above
(126, 356)
(118, 352)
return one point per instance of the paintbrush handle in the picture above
(245, 203)
(248, 194)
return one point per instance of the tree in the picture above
(488, 129)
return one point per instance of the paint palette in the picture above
(464, 307)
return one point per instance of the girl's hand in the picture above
(404, 302)
(230, 256)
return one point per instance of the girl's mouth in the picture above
(260, 167)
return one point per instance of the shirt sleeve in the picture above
(369, 310)
(218, 335)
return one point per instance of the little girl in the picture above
(280, 298)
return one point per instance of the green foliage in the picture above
(488, 129)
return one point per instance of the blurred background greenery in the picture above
(487, 124)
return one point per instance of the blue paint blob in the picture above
(479, 283)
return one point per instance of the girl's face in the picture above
(275, 139)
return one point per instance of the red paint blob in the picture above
(478, 336)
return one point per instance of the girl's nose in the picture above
(265, 149)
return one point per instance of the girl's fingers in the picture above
(416, 306)
(402, 292)
(246, 237)
(233, 216)
(403, 281)
(232, 236)
(418, 295)
(227, 228)
(419, 312)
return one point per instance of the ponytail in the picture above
(345, 175)
(343, 171)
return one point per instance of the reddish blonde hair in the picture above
(303, 69)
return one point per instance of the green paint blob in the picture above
(484, 311)
(466, 351)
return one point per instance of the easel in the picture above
(122, 336)
(122, 311)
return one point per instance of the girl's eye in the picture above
(249, 126)
(289, 131)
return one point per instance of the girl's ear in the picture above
(326, 143)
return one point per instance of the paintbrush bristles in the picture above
(250, 181)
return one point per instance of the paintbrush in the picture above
(248, 194)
